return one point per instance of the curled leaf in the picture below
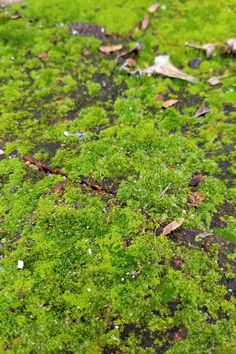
(202, 110)
(163, 66)
(208, 48)
(172, 226)
(131, 53)
(110, 49)
(213, 81)
(145, 23)
(231, 45)
(169, 103)
(195, 199)
(194, 181)
(154, 7)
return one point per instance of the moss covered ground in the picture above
(99, 276)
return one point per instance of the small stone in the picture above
(20, 264)
(195, 63)
(1, 152)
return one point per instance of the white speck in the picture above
(1, 152)
(62, 24)
(103, 30)
(163, 7)
(20, 264)
(230, 290)
(12, 58)
(116, 327)
(116, 339)
(66, 133)
(89, 290)
(122, 279)
(90, 251)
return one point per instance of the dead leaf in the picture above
(208, 48)
(16, 16)
(202, 110)
(43, 56)
(213, 81)
(195, 199)
(154, 7)
(159, 97)
(196, 180)
(169, 103)
(172, 226)
(59, 188)
(110, 49)
(163, 66)
(231, 45)
(131, 53)
(177, 334)
(145, 23)
(130, 62)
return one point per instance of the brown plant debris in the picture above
(42, 166)
(202, 110)
(172, 226)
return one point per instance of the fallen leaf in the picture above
(172, 226)
(145, 23)
(169, 103)
(231, 45)
(213, 81)
(154, 7)
(130, 62)
(208, 48)
(110, 49)
(195, 63)
(195, 199)
(202, 110)
(16, 16)
(88, 30)
(43, 56)
(131, 53)
(195, 180)
(163, 66)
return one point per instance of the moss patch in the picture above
(98, 275)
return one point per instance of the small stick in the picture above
(164, 191)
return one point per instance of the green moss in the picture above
(98, 275)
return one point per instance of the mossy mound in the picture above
(108, 168)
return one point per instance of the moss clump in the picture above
(99, 277)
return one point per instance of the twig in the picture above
(164, 191)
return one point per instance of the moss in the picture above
(98, 275)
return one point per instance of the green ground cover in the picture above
(99, 276)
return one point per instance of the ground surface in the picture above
(92, 168)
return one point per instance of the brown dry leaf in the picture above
(145, 23)
(131, 53)
(43, 56)
(177, 262)
(169, 103)
(110, 49)
(130, 62)
(202, 110)
(208, 48)
(196, 180)
(172, 226)
(154, 7)
(163, 66)
(213, 81)
(195, 199)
